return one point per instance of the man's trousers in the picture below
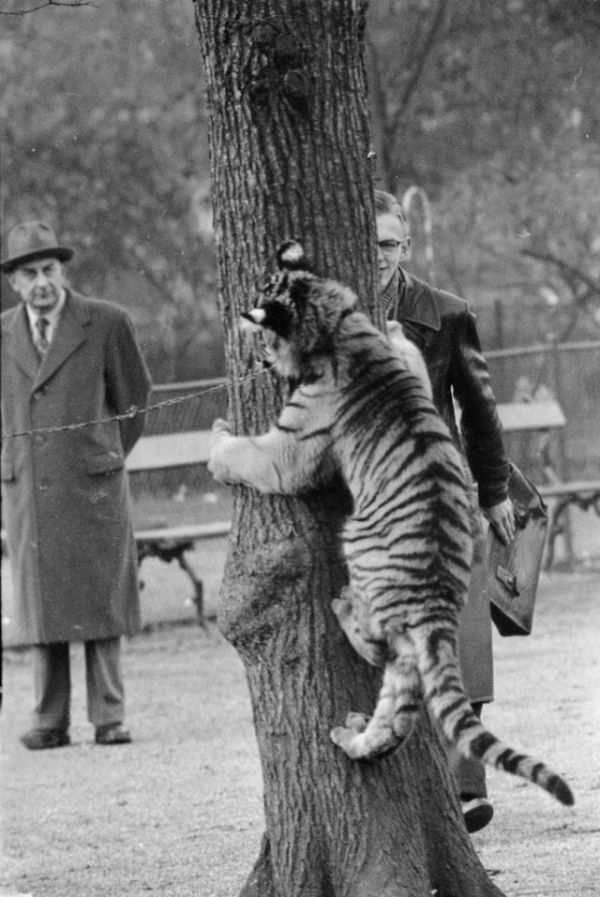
(52, 684)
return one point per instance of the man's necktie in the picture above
(41, 334)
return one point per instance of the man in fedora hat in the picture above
(69, 360)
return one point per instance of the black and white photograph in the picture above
(300, 522)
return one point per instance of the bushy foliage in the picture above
(105, 137)
(490, 108)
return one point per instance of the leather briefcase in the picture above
(513, 570)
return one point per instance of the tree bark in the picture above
(290, 144)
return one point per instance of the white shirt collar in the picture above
(51, 316)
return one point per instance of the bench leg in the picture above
(168, 553)
(553, 532)
(560, 525)
(198, 587)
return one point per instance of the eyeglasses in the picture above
(389, 245)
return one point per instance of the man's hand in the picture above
(502, 518)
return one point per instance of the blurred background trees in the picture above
(490, 108)
(105, 133)
(493, 109)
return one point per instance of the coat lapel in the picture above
(71, 332)
(18, 343)
(418, 312)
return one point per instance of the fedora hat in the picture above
(31, 240)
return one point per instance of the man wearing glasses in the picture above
(444, 329)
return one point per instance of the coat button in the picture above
(39, 439)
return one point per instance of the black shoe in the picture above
(477, 813)
(42, 739)
(113, 733)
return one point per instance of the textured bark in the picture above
(290, 144)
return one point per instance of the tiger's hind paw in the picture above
(354, 741)
(358, 722)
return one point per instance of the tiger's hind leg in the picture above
(395, 714)
(347, 610)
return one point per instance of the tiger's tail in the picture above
(445, 696)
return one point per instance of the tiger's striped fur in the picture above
(359, 410)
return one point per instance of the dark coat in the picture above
(66, 502)
(445, 331)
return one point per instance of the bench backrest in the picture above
(517, 416)
(193, 447)
(170, 450)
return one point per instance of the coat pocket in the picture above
(106, 462)
(7, 470)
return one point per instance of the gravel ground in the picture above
(179, 812)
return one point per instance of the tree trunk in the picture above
(289, 147)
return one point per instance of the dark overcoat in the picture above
(66, 503)
(445, 330)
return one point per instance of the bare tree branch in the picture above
(427, 47)
(570, 274)
(24, 12)
(565, 267)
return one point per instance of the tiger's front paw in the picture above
(221, 429)
(359, 744)
(220, 436)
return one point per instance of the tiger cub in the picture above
(358, 410)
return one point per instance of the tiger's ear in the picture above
(252, 321)
(255, 316)
(272, 315)
(291, 256)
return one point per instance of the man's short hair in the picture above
(387, 204)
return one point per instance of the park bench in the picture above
(171, 542)
(545, 417)
(172, 450)
(157, 538)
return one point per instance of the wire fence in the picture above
(181, 495)
(204, 400)
(568, 372)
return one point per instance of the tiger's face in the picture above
(299, 313)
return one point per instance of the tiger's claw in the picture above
(358, 722)
(351, 738)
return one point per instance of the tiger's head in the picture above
(299, 314)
